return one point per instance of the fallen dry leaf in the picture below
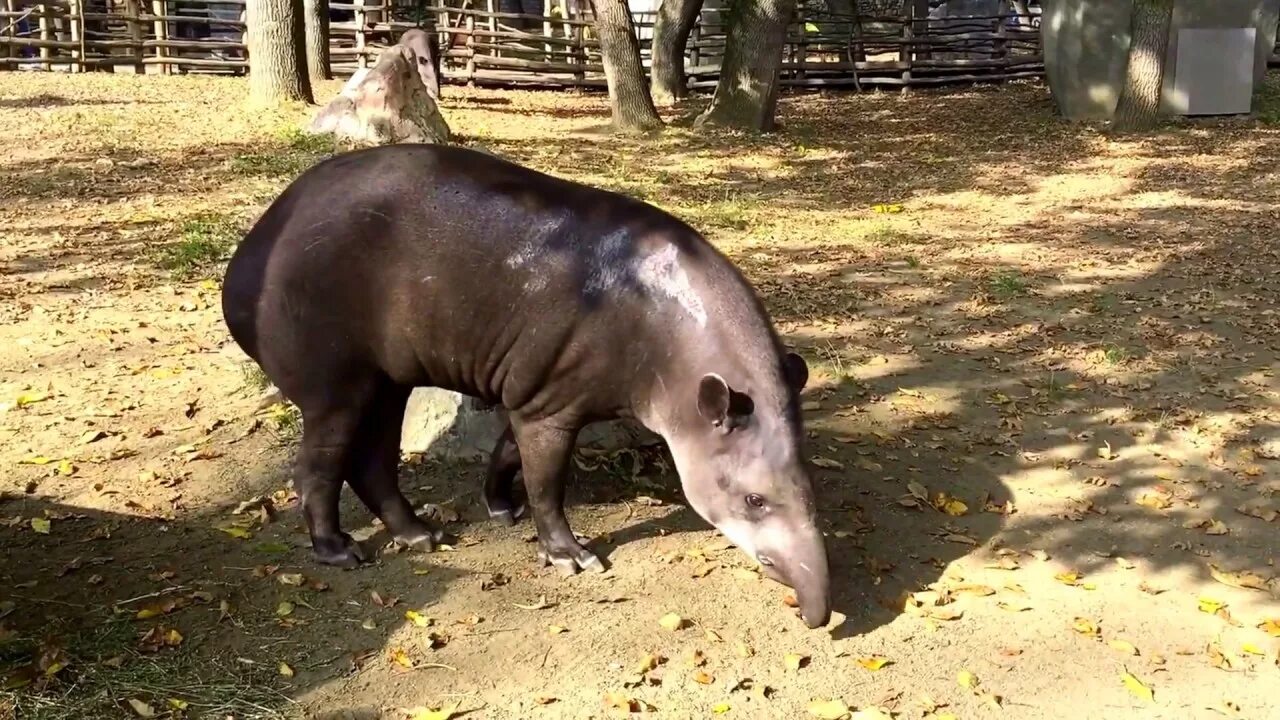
(1085, 626)
(41, 525)
(874, 662)
(556, 629)
(794, 661)
(1270, 627)
(671, 621)
(720, 708)
(422, 713)
(1123, 646)
(703, 678)
(541, 604)
(967, 679)
(1137, 687)
(285, 670)
(417, 618)
(1243, 580)
(141, 709)
(829, 709)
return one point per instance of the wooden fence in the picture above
(483, 45)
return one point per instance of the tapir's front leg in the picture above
(545, 449)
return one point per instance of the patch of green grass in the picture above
(203, 242)
(1268, 102)
(285, 421)
(296, 151)
(913, 262)
(1115, 355)
(732, 214)
(103, 669)
(1006, 286)
(254, 377)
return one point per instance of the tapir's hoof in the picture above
(422, 538)
(568, 564)
(340, 550)
(504, 515)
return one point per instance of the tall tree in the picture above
(277, 61)
(747, 93)
(670, 38)
(1140, 98)
(316, 24)
(629, 100)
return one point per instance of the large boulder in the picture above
(387, 103)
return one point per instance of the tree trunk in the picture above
(670, 37)
(747, 93)
(277, 61)
(1140, 98)
(629, 100)
(316, 25)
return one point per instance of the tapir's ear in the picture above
(796, 370)
(719, 403)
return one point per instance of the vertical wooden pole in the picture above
(471, 50)
(801, 50)
(695, 40)
(920, 27)
(46, 35)
(493, 26)
(905, 54)
(358, 17)
(547, 7)
(161, 29)
(76, 23)
(580, 48)
(133, 11)
(1001, 48)
(11, 29)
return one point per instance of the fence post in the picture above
(133, 11)
(471, 50)
(11, 29)
(547, 7)
(800, 50)
(493, 27)
(45, 35)
(159, 9)
(76, 25)
(580, 48)
(358, 16)
(1001, 49)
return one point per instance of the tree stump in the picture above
(387, 103)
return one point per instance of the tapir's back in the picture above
(450, 267)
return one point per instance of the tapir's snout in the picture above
(802, 564)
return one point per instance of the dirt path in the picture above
(1043, 415)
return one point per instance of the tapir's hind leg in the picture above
(374, 473)
(546, 449)
(499, 498)
(328, 435)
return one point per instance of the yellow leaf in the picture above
(954, 507)
(793, 661)
(1252, 649)
(1136, 687)
(41, 525)
(703, 678)
(36, 460)
(874, 662)
(887, 208)
(556, 629)
(177, 704)
(237, 532)
(1068, 578)
(1271, 627)
(647, 663)
(1209, 605)
(417, 618)
(544, 699)
(1216, 527)
(711, 635)
(421, 713)
(720, 708)
(671, 621)
(295, 579)
(284, 609)
(401, 658)
(66, 469)
(173, 638)
(967, 679)
(285, 670)
(829, 709)
(141, 709)
(30, 398)
(1123, 646)
(1085, 626)
(743, 649)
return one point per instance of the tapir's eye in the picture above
(755, 501)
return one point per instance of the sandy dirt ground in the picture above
(1043, 420)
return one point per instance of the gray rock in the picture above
(445, 424)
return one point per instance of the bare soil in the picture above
(1043, 415)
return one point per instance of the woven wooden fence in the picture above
(485, 46)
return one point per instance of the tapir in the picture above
(384, 269)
